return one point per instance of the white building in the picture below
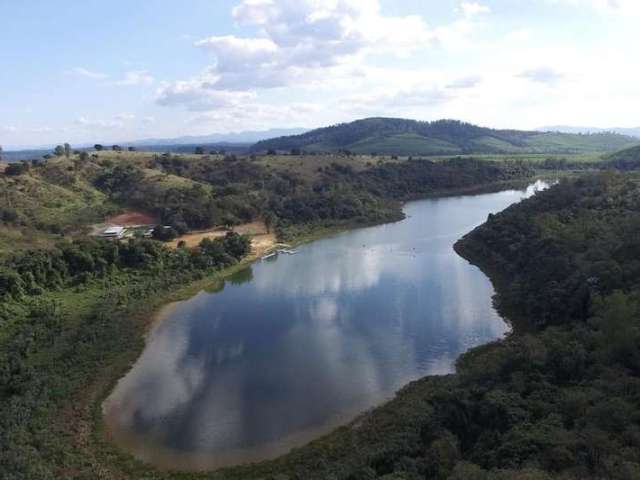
(113, 232)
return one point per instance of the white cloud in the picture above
(199, 94)
(125, 116)
(8, 129)
(546, 75)
(88, 123)
(233, 52)
(606, 7)
(44, 129)
(415, 97)
(465, 82)
(83, 72)
(256, 116)
(472, 9)
(134, 78)
(297, 42)
(519, 36)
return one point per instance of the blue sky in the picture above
(115, 70)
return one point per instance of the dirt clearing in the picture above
(261, 241)
(130, 218)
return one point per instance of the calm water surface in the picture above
(294, 346)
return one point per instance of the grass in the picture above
(404, 144)
(575, 143)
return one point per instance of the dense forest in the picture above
(442, 137)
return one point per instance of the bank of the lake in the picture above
(436, 246)
(103, 325)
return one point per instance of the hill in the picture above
(63, 198)
(393, 136)
(627, 159)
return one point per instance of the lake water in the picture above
(294, 346)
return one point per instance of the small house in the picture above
(113, 232)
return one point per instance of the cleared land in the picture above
(261, 240)
(133, 217)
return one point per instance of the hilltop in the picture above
(394, 136)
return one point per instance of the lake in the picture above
(296, 345)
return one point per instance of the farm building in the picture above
(113, 232)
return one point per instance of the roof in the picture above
(113, 231)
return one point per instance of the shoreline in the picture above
(149, 317)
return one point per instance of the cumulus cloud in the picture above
(200, 94)
(296, 38)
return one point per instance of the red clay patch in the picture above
(133, 217)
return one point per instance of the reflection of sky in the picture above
(336, 328)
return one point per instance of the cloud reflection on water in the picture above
(311, 339)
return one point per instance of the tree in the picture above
(84, 156)
(116, 148)
(199, 151)
(98, 148)
(132, 149)
(58, 151)
(164, 233)
(0, 153)
(67, 150)
(15, 169)
(270, 220)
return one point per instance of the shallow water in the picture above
(296, 345)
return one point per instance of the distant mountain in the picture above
(443, 137)
(632, 132)
(249, 137)
(232, 142)
(17, 155)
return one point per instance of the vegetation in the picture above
(627, 159)
(62, 197)
(444, 137)
(560, 398)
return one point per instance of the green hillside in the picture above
(627, 159)
(392, 136)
